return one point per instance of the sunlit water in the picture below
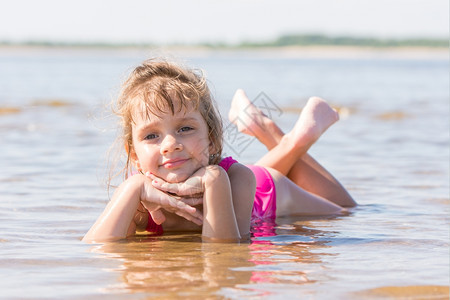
(390, 149)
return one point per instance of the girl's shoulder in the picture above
(235, 169)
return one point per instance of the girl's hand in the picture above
(192, 187)
(154, 199)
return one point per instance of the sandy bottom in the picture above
(407, 292)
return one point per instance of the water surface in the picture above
(391, 150)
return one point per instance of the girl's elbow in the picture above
(214, 175)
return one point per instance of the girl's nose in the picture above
(170, 144)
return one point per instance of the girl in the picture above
(172, 135)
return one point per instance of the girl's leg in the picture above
(311, 176)
(284, 149)
(305, 202)
(288, 152)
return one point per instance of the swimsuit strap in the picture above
(227, 162)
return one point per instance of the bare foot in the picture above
(250, 120)
(316, 117)
(247, 117)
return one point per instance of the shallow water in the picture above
(390, 149)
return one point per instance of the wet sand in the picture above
(416, 292)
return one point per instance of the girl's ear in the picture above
(213, 153)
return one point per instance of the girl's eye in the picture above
(185, 129)
(151, 136)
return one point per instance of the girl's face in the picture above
(171, 147)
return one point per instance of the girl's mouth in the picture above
(174, 163)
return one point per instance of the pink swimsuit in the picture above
(265, 204)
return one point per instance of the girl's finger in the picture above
(150, 175)
(182, 207)
(192, 201)
(177, 205)
(161, 184)
(158, 216)
(164, 186)
(195, 219)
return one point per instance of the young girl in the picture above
(172, 135)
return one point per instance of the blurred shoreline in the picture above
(399, 52)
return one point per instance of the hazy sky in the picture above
(210, 20)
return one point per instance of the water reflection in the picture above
(177, 264)
(278, 257)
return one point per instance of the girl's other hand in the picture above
(192, 187)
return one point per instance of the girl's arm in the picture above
(116, 221)
(243, 187)
(219, 217)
